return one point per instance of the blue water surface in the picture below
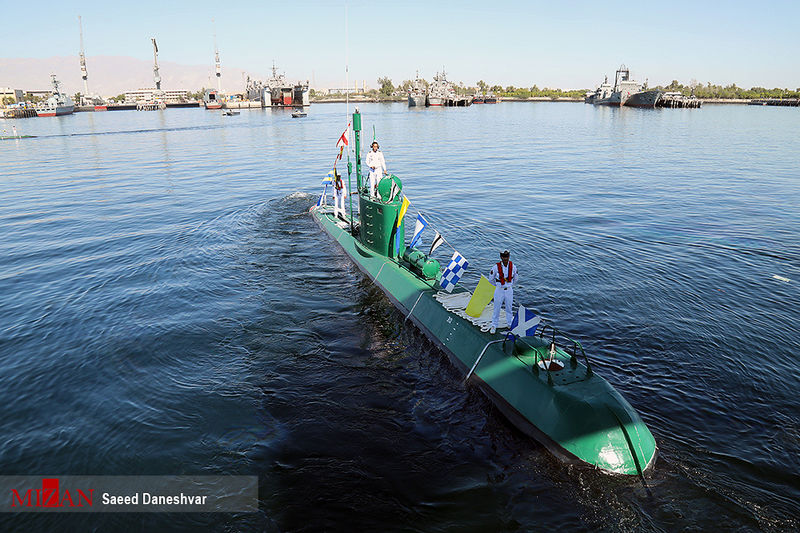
(167, 306)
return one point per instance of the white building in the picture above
(153, 95)
(352, 90)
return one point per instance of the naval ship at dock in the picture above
(57, 104)
(617, 95)
(277, 92)
(443, 93)
(417, 93)
(629, 93)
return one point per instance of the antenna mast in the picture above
(216, 59)
(156, 75)
(84, 73)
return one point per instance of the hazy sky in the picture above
(555, 44)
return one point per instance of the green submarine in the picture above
(543, 384)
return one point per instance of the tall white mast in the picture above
(347, 73)
(84, 73)
(156, 75)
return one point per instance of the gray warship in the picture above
(417, 94)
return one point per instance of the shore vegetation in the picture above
(727, 92)
(388, 92)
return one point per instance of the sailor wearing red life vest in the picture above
(503, 276)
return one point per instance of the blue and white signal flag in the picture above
(452, 274)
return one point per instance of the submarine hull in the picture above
(573, 412)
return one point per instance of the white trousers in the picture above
(374, 178)
(338, 201)
(503, 297)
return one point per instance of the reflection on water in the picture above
(167, 306)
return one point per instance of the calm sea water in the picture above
(167, 306)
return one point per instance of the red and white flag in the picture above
(341, 144)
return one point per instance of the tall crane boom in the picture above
(84, 73)
(156, 75)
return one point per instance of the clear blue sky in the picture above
(567, 45)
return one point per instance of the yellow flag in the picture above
(403, 209)
(483, 294)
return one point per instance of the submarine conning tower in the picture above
(378, 216)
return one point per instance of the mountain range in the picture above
(113, 75)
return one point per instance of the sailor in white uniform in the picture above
(503, 277)
(377, 168)
(339, 194)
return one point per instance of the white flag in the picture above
(437, 241)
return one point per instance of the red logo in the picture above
(50, 496)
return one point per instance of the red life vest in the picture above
(510, 272)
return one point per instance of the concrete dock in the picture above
(785, 102)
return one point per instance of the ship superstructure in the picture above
(624, 88)
(277, 92)
(417, 93)
(441, 90)
(602, 92)
(443, 93)
(57, 104)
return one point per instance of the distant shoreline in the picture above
(513, 99)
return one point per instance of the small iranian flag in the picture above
(342, 142)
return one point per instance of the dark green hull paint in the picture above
(579, 417)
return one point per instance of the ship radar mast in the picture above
(54, 81)
(156, 75)
(216, 60)
(623, 74)
(84, 73)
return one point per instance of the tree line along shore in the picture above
(387, 91)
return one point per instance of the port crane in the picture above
(84, 73)
(156, 75)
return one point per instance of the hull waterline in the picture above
(578, 416)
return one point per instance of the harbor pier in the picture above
(785, 102)
(244, 104)
(17, 112)
(678, 101)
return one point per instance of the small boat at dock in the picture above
(212, 99)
